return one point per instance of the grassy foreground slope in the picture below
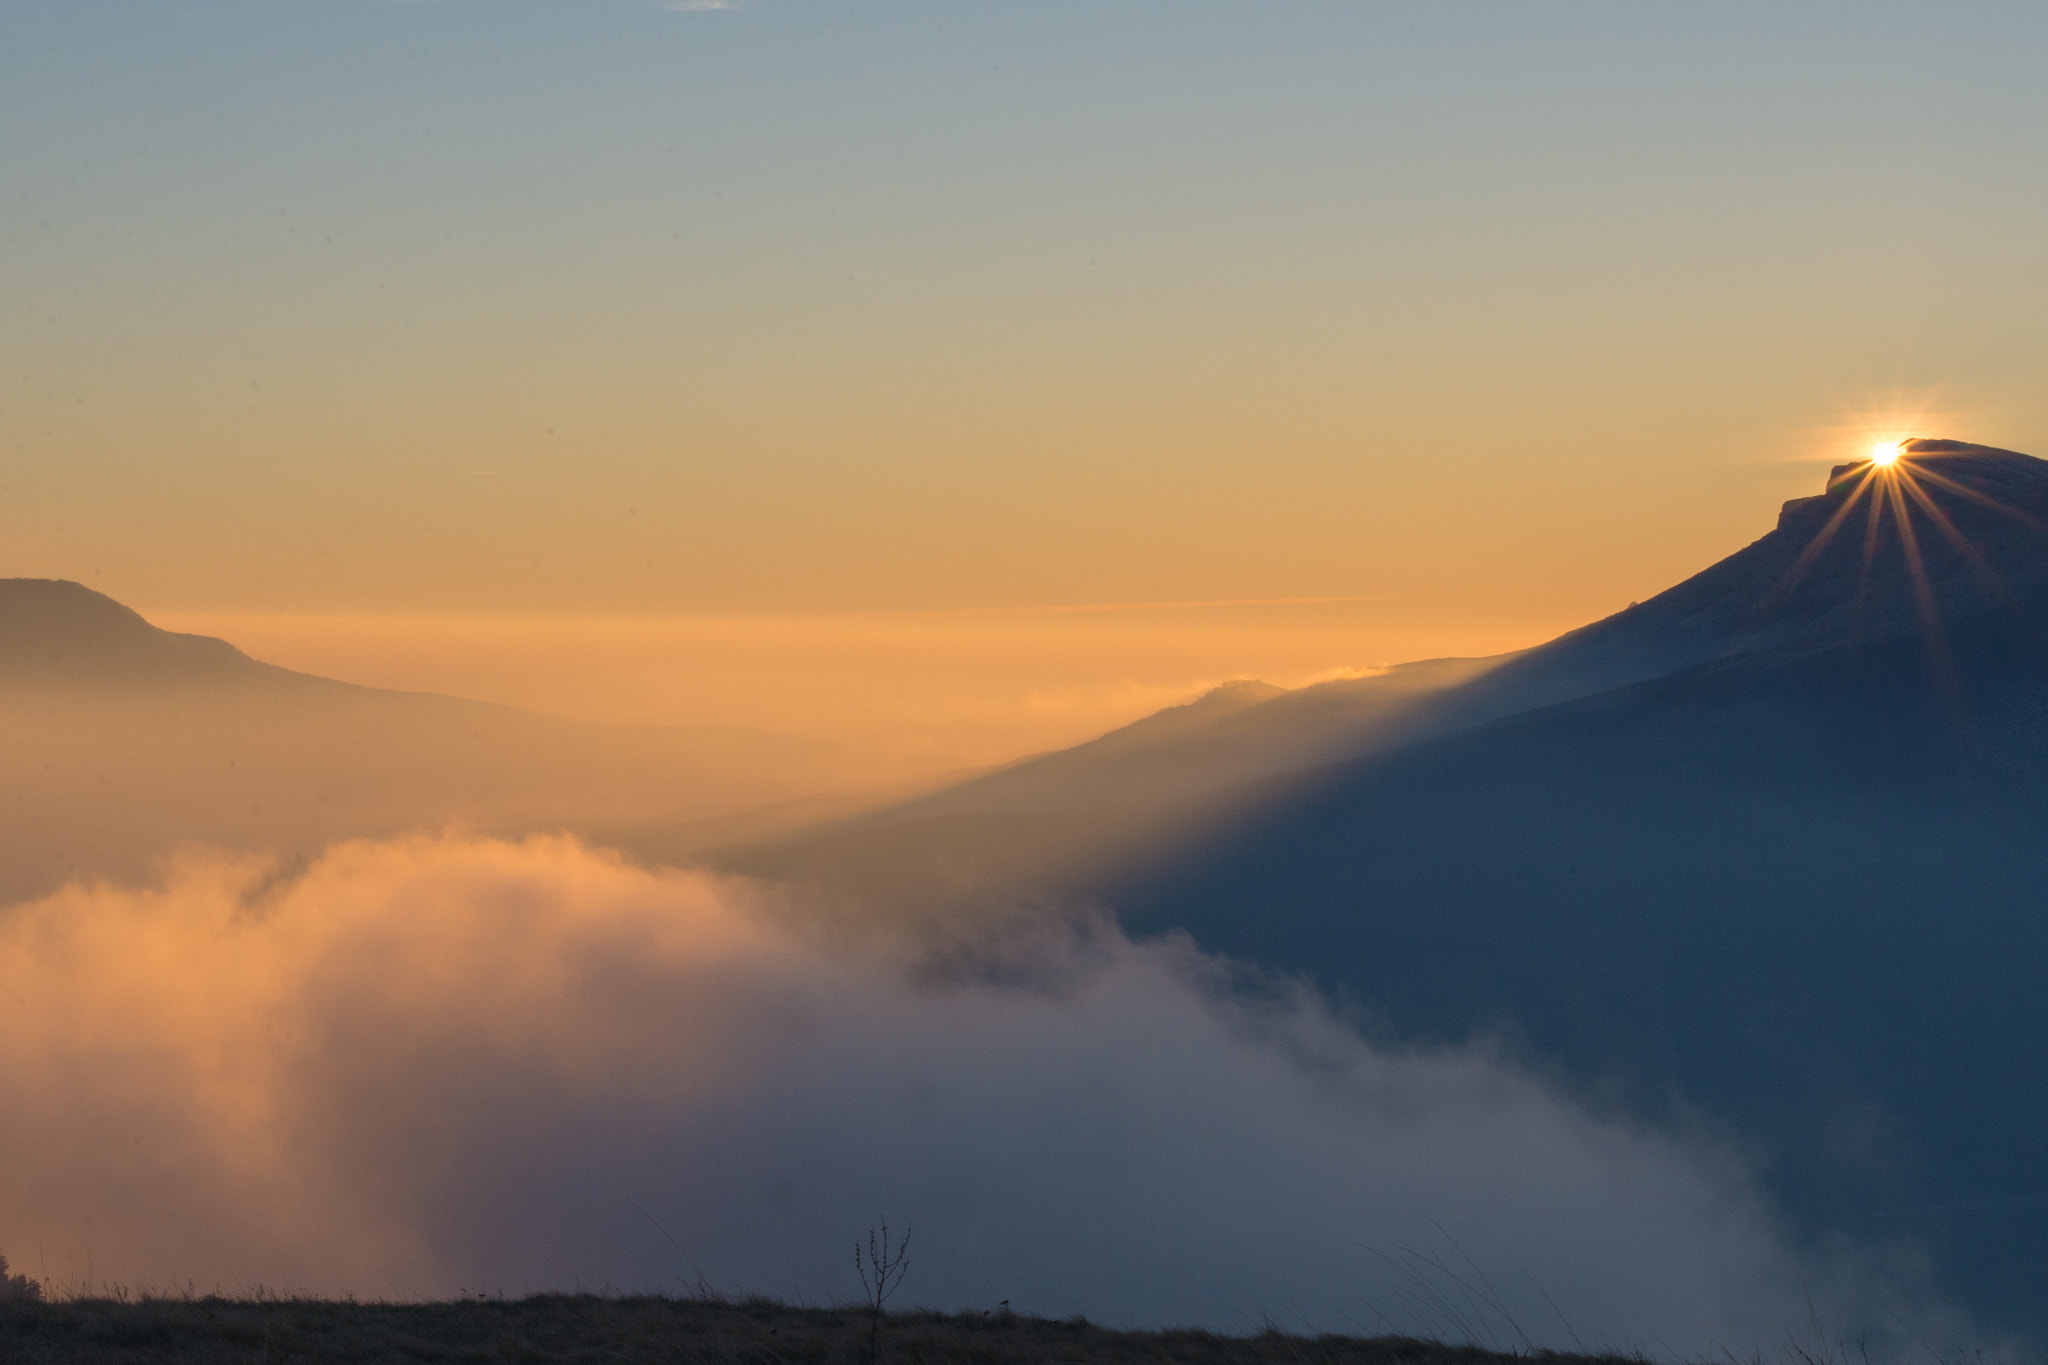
(564, 1328)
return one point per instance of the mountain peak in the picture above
(1948, 527)
(55, 630)
(1980, 467)
(1949, 530)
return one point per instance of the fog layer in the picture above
(912, 692)
(427, 1065)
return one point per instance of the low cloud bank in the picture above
(432, 1065)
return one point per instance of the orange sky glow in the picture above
(772, 366)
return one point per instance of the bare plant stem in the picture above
(881, 1273)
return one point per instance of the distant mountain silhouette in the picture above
(1768, 851)
(56, 631)
(120, 741)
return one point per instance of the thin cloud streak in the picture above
(1085, 608)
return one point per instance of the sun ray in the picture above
(1986, 575)
(1964, 490)
(1792, 575)
(1929, 609)
(1873, 532)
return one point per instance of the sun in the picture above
(1886, 453)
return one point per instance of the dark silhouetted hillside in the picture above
(566, 1328)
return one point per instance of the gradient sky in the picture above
(1498, 316)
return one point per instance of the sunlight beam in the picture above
(1986, 575)
(1873, 530)
(1790, 580)
(2026, 519)
(1923, 591)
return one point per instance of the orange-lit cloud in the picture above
(435, 1064)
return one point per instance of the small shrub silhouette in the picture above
(18, 1288)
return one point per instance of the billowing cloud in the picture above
(436, 1064)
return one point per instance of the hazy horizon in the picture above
(495, 307)
(961, 688)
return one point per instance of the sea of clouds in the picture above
(444, 1064)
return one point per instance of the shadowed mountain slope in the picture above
(1061, 823)
(1054, 823)
(1233, 734)
(1767, 852)
(1798, 888)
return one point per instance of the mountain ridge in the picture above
(1807, 576)
(1766, 853)
(120, 742)
(56, 630)
(1794, 886)
(1767, 594)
